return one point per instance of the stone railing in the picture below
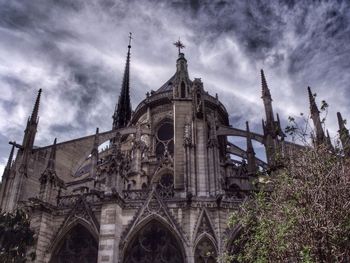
(70, 200)
(135, 194)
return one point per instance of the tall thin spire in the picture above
(34, 116)
(52, 158)
(122, 113)
(329, 141)
(315, 116)
(96, 142)
(313, 106)
(344, 135)
(94, 154)
(266, 96)
(265, 88)
(32, 123)
(341, 122)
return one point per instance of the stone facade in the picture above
(161, 191)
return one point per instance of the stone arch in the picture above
(205, 249)
(154, 240)
(77, 242)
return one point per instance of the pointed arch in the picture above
(154, 240)
(77, 242)
(204, 225)
(206, 250)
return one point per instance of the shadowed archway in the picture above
(205, 251)
(154, 243)
(78, 245)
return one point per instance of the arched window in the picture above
(78, 246)
(154, 243)
(165, 140)
(205, 251)
(183, 90)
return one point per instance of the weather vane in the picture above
(179, 45)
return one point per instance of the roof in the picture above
(167, 86)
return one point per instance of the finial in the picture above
(179, 45)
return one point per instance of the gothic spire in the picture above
(52, 158)
(34, 116)
(250, 152)
(315, 116)
(343, 134)
(329, 141)
(94, 154)
(122, 113)
(96, 142)
(265, 88)
(266, 96)
(32, 123)
(341, 122)
(313, 106)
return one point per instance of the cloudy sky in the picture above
(75, 51)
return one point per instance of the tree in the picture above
(300, 213)
(15, 236)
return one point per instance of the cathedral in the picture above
(162, 187)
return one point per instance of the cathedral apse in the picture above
(160, 189)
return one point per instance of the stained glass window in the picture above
(154, 244)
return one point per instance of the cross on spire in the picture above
(179, 45)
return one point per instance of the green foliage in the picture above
(15, 237)
(299, 214)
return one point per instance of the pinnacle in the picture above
(52, 158)
(265, 88)
(35, 112)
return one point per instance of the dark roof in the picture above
(167, 85)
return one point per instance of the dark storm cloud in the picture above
(75, 51)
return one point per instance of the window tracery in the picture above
(205, 251)
(78, 246)
(165, 140)
(165, 186)
(154, 244)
